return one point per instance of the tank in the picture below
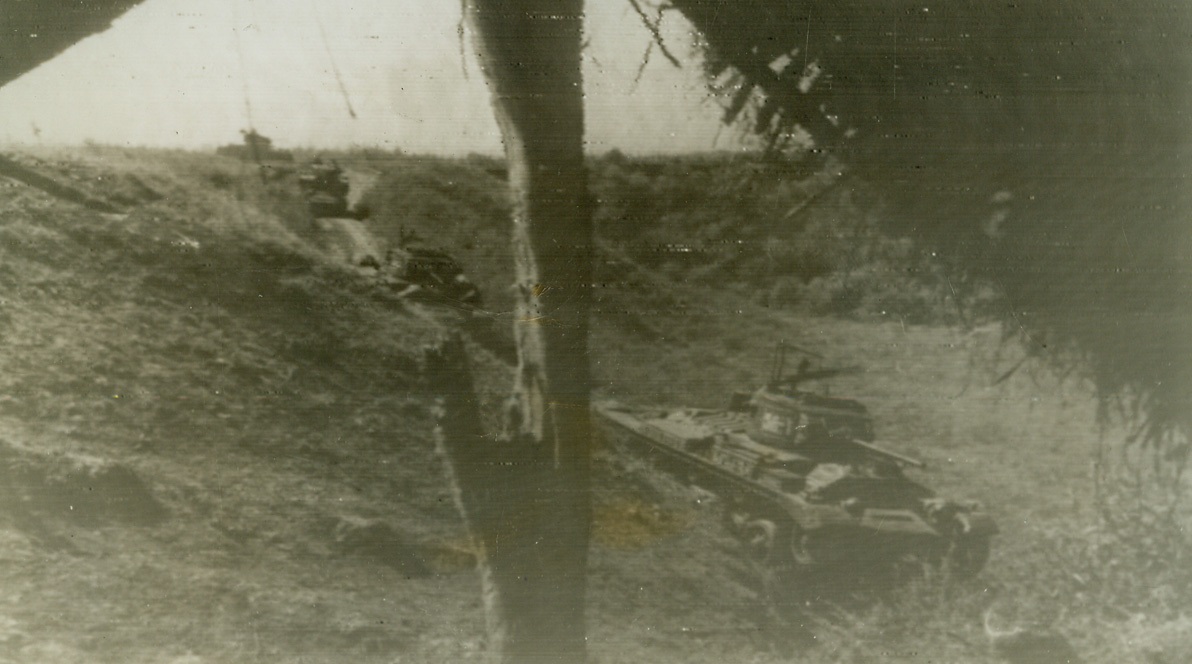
(415, 271)
(803, 483)
(325, 188)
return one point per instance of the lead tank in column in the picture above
(803, 483)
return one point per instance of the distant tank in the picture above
(256, 147)
(422, 272)
(325, 188)
(804, 485)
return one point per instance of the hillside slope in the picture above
(266, 401)
(214, 446)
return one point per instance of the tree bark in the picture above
(526, 494)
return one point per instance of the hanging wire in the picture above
(331, 58)
(460, 33)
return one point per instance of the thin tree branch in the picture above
(652, 26)
(641, 67)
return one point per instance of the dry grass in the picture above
(267, 396)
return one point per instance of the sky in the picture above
(181, 73)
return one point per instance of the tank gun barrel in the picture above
(894, 456)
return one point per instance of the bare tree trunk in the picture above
(526, 494)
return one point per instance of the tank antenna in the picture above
(254, 150)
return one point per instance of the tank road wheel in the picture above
(762, 542)
(967, 555)
(797, 539)
(777, 554)
(759, 536)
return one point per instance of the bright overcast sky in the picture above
(186, 73)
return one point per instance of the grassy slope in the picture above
(269, 399)
(263, 396)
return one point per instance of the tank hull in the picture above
(804, 506)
